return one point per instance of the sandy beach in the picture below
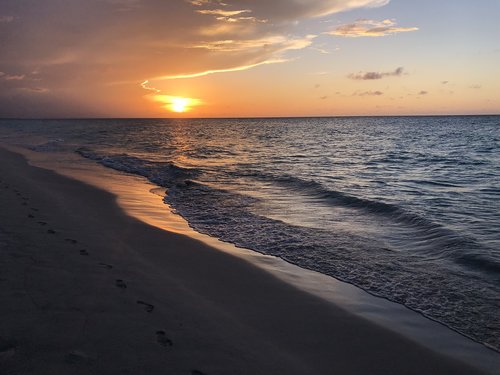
(86, 289)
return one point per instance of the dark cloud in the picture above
(368, 93)
(366, 76)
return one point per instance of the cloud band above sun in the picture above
(215, 71)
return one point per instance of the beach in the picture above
(89, 289)
(208, 187)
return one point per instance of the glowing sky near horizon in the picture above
(236, 58)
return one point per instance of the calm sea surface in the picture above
(407, 208)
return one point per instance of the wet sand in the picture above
(86, 288)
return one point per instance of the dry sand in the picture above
(86, 289)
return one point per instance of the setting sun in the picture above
(179, 105)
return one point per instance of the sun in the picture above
(179, 105)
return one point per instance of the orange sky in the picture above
(239, 58)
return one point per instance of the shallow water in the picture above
(406, 208)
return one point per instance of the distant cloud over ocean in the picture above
(366, 76)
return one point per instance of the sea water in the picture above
(407, 208)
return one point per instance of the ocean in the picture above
(406, 208)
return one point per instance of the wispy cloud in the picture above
(222, 12)
(291, 11)
(325, 51)
(19, 77)
(145, 85)
(276, 43)
(370, 28)
(8, 77)
(36, 90)
(423, 92)
(200, 3)
(215, 71)
(367, 76)
(232, 45)
(273, 47)
(231, 16)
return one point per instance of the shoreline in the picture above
(143, 200)
(187, 281)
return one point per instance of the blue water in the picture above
(407, 208)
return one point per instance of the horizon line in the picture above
(244, 117)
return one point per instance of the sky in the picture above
(248, 58)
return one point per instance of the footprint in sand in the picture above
(84, 252)
(51, 231)
(162, 339)
(70, 240)
(43, 223)
(34, 209)
(105, 265)
(120, 284)
(31, 216)
(147, 306)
